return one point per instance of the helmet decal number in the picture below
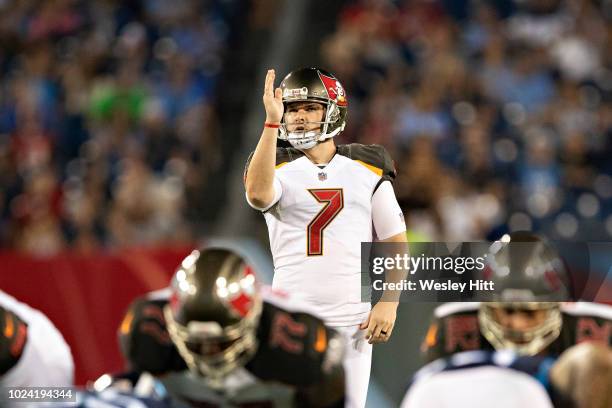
(587, 329)
(462, 333)
(284, 331)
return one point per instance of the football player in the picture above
(32, 350)
(581, 377)
(216, 338)
(527, 312)
(320, 202)
(479, 379)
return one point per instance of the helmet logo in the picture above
(552, 280)
(295, 93)
(334, 89)
(174, 302)
(240, 298)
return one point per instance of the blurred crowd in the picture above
(106, 125)
(498, 112)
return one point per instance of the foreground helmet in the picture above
(314, 85)
(213, 312)
(528, 275)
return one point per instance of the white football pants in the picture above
(357, 363)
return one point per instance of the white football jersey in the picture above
(318, 221)
(480, 378)
(46, 359)
(480, 387)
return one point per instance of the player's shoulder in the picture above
(143, 336)
(148, 305)
(13, 336)
(373, 156)
(290, 335)
(470, 359)
(284, 155)
(278, 305)
(300, 324)
(17, 307)
(521, 372)
(585, 321)
(369, 153)
(456, 308)
(587, 309)
(454, 328)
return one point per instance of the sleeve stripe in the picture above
(278, 166)
(374, 169)
(378, 185)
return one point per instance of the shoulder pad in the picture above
(288, 339)
(13, 336)
(144, 339)
(285, 155)
(530, 365)
(599, 310)
(374, 157)
(462, 359)
(454, 328)
(452, 308)
(586, 321)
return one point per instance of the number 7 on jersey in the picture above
(333, 203)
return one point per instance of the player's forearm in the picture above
(260, 174)
(395, 275)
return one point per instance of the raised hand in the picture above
(272, 99)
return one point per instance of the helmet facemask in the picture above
(213, 351)
(528, 341)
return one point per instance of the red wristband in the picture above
(272, 125)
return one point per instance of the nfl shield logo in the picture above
(322, 176)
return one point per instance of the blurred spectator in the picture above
(106, 124)
(420, 177)
(106, 110)
(37, 214)
(498, 113)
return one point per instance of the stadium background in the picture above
(124, 127)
